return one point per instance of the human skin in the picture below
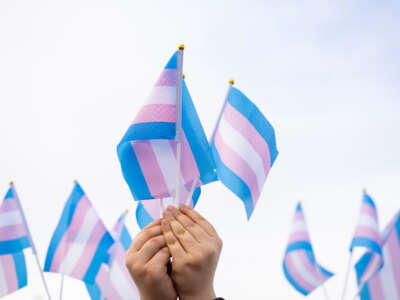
(195, 248)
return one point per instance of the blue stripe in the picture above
(197, 138)
(63, 224)
(143, 218)
(132, 172)
(299, 246)
(20, 268)
(150, 131)
(298, 207)
(173, 61)
(360, 267)
(251, 112)
(101, 256)
(292, 281)
(13, 246)
(367, 243)
(126, 239)
(325, 272)
(9, 194)
(397, 228)
(93, 291)
(196, 196)
(368, 199)
(233, 182)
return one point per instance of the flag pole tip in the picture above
(11, 182)
(364, 190)
(75, 180)
(231, 82)
(181, 47)
(183, 76)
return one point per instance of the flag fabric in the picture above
(13, 274)
(385, 285)
(117, 284)
(147, 151)
(14, 236)
(80, 242)
(299, 264)
(149, 210)
(244, 148)
(367, 235)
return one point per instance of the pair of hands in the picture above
(194, 246)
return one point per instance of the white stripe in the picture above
(299, 226)
(78, 245)
(12, 217)
(122, 282)
(244, 149)
(298, 264)
(166, 160)
(3, 282)
(386, 277)
(372, 267)
(368, 221)
(162, 95)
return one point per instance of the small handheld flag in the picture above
(80, 242)
(299, 264)
(13, 274)
(244, 148)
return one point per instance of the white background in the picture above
(73, 74)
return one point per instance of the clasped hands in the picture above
(175, 256)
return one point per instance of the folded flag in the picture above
(80, 242)
(299, 264)
(12, 273)
(385, 285)
(150, 210)
(116, 284)
(147, 151)
(14, 235)
(244, 148)
(367, 235)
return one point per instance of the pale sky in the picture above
(73, 74)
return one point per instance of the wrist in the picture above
(204, 295)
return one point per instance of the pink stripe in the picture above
(369, 210)
(150, 167)
(12, 232)
(89, 251)
(8, 264)
(371, 268)
(153, 207)
(167, 77)
(298, 216)
(364, 231)
(156, 113)
(237, 165)
(69, 236)
(299, 236)
(9, 204)
(309, 267)
(393, 244)
(296, 275)
(189, 169)
(375, 288)
(247, 130)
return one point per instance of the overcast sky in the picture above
(73, 74)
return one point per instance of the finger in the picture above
(161, 258)
(198, 219)
(194, 229)
(173, 244)
(150, 248)
(185, 238)
(146, 234)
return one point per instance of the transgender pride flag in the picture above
(80, 242)
(385, 285)
(299, 264)
(149, 210)
(12, 273)
(148, 150)
(367, 235)
(117, 284)
(14, 236)
(244, 148)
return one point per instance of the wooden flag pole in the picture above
(30, 240)
(178, 123)
(231, 83)
(347, 276)
(61, 286)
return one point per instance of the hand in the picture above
(195, 248)
(147, 260)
